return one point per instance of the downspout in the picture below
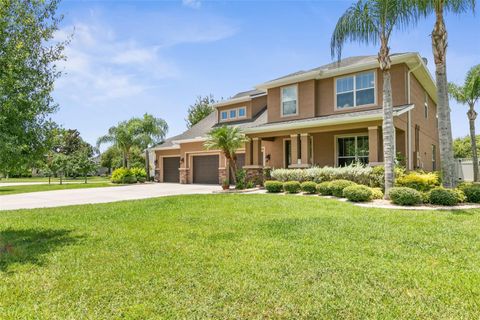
(409, 129)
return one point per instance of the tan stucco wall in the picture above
(253, 107)
(306, 102)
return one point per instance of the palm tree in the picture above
(469, 94)
(228, 140)
(136, 132)
(154, 131)
(439, 49)
(372, 22)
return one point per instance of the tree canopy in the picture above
(28, 70)
(199, 110)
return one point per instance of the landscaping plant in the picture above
(273, 186)
(358, 193)
(309, 187)
(292, 187)
(443, 197)
(405, 196)
(471, 191)
(324, 188)
(419, 181)
(376, 193)
(337, 187)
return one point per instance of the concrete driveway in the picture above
(48, 199)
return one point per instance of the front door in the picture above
(288, 153)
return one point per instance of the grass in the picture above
(238, 256)
(50, 187)
(54, 180)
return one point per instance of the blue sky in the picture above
(131, 57)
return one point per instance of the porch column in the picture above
(294, 149)
(373, 145)
(248, 152)
(257, 152)
(305, 140)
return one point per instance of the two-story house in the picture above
(328, 116)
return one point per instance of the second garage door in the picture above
(205, 169)
(170, 169)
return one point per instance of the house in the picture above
(327, 116)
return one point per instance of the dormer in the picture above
(243, 106)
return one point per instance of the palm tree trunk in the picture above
(388, 133)
(439, 48)
(472, 115)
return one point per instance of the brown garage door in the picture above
(170, 169)
(205, 169)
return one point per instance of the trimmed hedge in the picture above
(337, 187)
(292, 187)
(274, 186)
(324, 188)
(419, 181)
(309, 187)
(377, 193)
(405, 196)
(358, 193)
(442, 196)
(471, 191)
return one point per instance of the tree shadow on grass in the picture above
(29, 246)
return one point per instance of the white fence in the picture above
(464, 168)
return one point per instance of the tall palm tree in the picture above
(136, 132)
(372, 22)
(228, 140)
(469, 94)
(154, 131)
(439, 49)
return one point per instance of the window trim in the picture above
(354, 75)
(238, 112)
(281, 101)
(226, 115)
(237, 116)
(426, 109)
(349, 135)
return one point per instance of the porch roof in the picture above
(351, 117)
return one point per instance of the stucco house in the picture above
(327, 116)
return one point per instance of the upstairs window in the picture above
(355, 91)
(425, 108)
(242, 112)
(289, 101)
(224, 115)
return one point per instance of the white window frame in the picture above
(296, 100)
(426, 109)
(230, 113)
(354, 135)
(221, 118)
(336, 108)
(238, 112)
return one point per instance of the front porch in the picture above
(332, 146)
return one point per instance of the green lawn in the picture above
(240, 257)
(50, 187)
(53, 180)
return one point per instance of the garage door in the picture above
(205, 169)
(170, 169)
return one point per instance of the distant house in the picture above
(328, 116)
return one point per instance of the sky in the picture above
(127, 58)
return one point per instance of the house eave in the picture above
(236, 100)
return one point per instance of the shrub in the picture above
(309, 187)
(250, 185)
(460, 195)
(377, 193)
(442, 196)
(324, 188)
(357, 193)
(405, 196)
(274, 186)
(471, 191)
(123, 175)
(291, 186)
(240, 179)
(139, 172)
(419, 181)
(337, 187)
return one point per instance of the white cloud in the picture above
(195, 4)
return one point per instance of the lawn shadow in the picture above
(5, 190)
(29, 246)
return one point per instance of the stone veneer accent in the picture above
(184, 175)
(222, 175)
(254, 174)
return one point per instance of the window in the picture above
(287, 153)
(425, 108)
(289, 101)
(242, 112)
(434, 157)
(224, 115)
(233, 114)
(352, 149)
(354, 91)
